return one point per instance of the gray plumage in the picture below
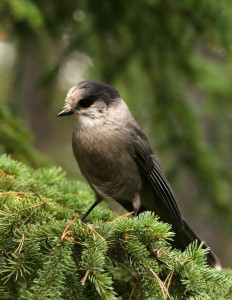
(116, 159)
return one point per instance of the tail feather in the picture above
(183, 237)
(186, 236)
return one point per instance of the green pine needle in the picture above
(48, 253)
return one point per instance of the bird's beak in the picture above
(65, 112)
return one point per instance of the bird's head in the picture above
(89, 99)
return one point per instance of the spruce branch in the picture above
(46, 252)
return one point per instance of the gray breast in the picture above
(106, 164)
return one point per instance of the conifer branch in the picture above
(48, 253)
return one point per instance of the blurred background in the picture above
(172, 63)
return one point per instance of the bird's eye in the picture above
(86, 102)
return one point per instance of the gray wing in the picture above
(150, 168)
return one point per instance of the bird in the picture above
(115, 157)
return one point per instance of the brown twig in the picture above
(70, 239)
(25, 208)
(83, 280)
(65, 232)
(122, 216)
(3, 172)
(169, 278)
(132, 291)
(36, 207)
(20, 246)
(161, 284)
(94, 231)
(14, 192)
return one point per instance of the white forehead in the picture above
(71, 91)
(74, 95)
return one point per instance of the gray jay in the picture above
(116, 159)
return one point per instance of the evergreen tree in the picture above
(48, 253)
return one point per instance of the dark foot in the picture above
(136, 212)
(89, 210)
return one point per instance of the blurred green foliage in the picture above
(170, 60)
(16, 139)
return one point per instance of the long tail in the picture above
(183, 237)
(186, 236)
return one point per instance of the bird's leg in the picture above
(136, 202)
(136, 212)
(96, 202)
